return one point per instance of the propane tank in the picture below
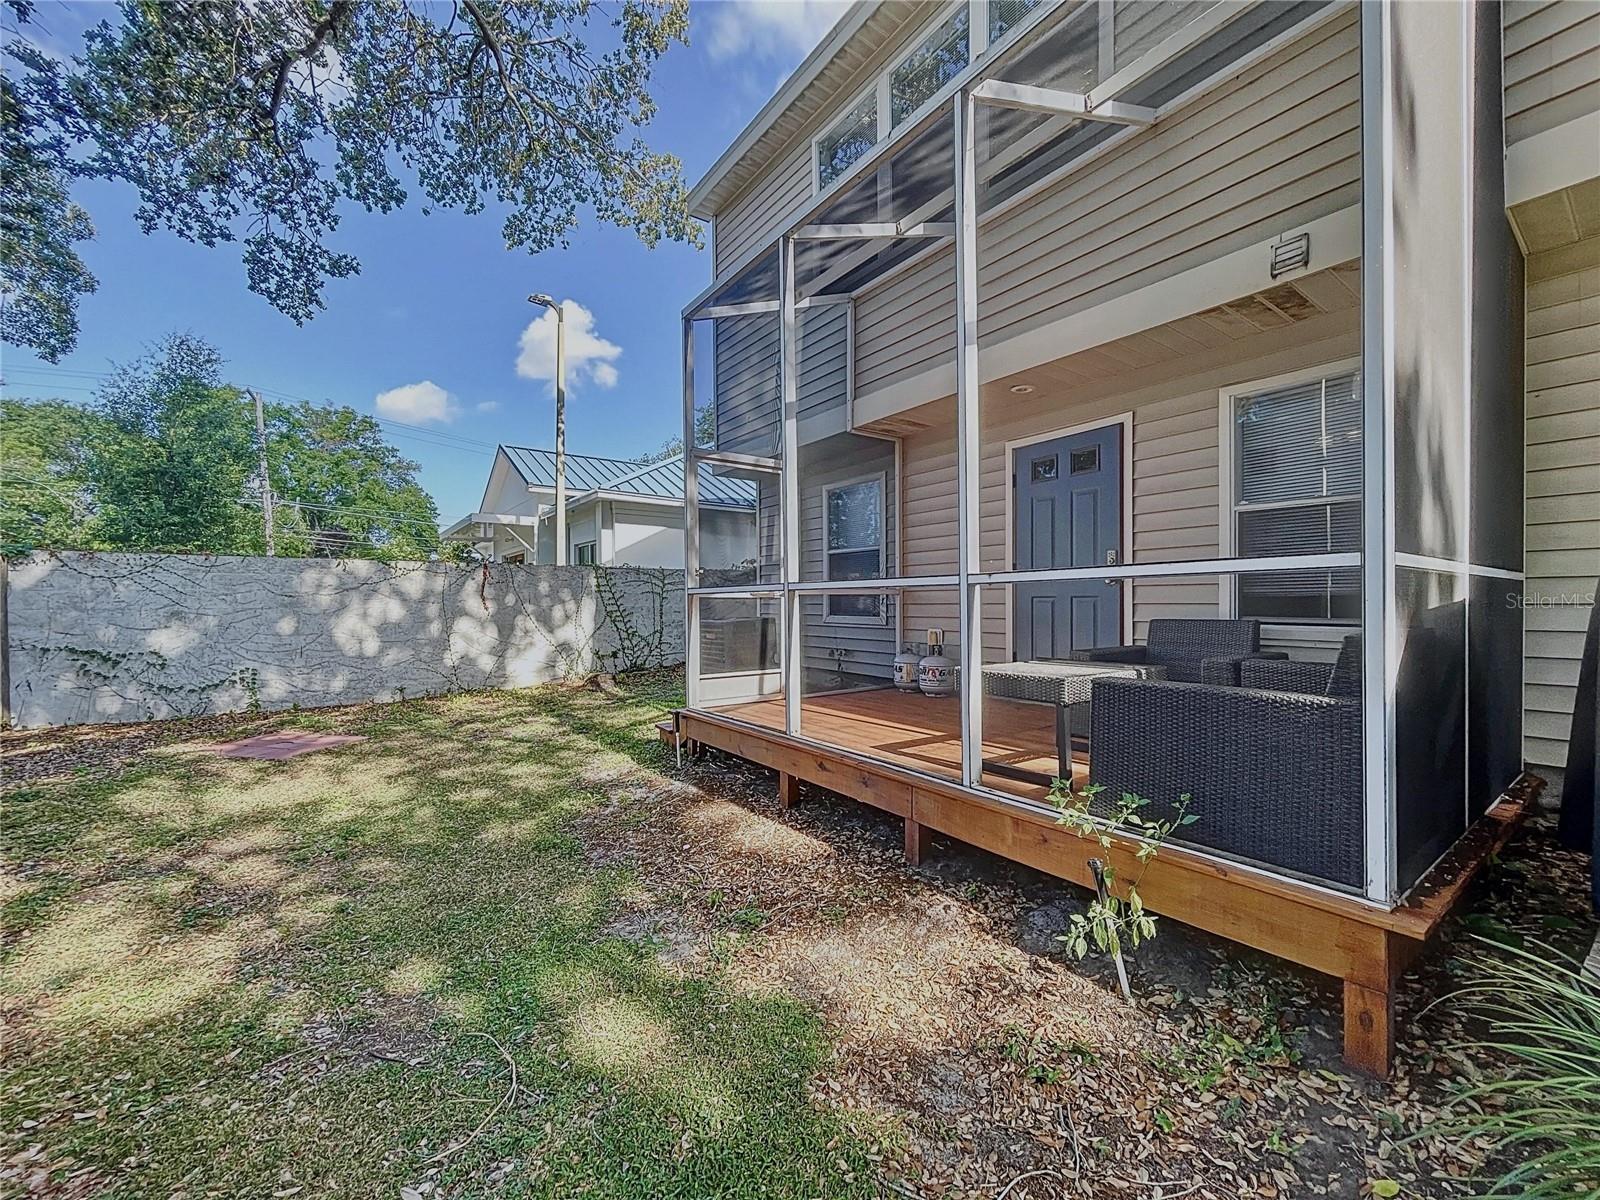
(936, 674)
(905, 669)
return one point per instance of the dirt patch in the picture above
(377, 1029)
(984, 1059)
(31, 756)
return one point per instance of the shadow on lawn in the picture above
(255, 976)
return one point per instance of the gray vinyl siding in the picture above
(1174, 459)
(747, 374)
(749, 219)
(1563, 491)
(841, 460)
(1552, 64)
(1275, 148)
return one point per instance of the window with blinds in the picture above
(855, 547)
(1297, 490)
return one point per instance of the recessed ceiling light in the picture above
(1021, 389)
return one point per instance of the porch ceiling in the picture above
(1559, 219)
(1220, 331)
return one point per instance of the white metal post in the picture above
(967, 437)
(691, 528)
(789, 477)
(561, 436)
(1380, 638)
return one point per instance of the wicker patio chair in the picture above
(1339, 678)
(1193, 650)
(1275, 776)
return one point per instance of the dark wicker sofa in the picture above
(1193, 650)
(1275, 772)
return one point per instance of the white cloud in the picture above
(417, 403)
(768, 28)
(487, 406)
(589, 356)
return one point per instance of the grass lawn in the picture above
(504, 947)
(313, 977)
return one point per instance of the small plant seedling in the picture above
(1113, 921)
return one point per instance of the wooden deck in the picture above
(901, 753)
(923, 733)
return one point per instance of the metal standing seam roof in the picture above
(662, 480)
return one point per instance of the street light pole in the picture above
(561, 424)
(266, 479)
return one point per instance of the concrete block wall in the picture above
(102, 638)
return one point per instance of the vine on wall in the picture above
(111, 637)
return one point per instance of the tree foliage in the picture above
(44, 499)
(175, 449)
(342, 490)
(258, 120)
(168, 460)
(705, 434)
(41, 275)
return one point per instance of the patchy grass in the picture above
(505, 948)
(250, 978)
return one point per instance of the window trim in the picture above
(881, 479)
(1228, 483)
(593, 547)
(880, 85)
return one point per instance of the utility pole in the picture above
(561, 424)
(266, 480)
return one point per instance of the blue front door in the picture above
(1067, 497)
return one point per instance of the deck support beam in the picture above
(788, 790)
(1368, 1028)
(919, 841)
(1364, 946)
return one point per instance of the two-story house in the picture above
(1222, 380)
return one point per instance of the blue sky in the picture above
(439, 299)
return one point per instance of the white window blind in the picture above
(1298, 491)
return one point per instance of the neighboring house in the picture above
(1043, 323)
(620, 513)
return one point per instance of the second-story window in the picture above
(937, 59)
(852, 135)
(1003, 14)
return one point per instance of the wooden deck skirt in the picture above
(887, 753)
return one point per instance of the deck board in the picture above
(923, 733)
